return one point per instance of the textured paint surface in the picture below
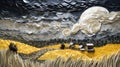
(22, 48)
(66, 53)
(99, 53)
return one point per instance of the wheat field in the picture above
(12, 59)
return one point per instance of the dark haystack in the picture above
(13, 47)
(62, 46)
